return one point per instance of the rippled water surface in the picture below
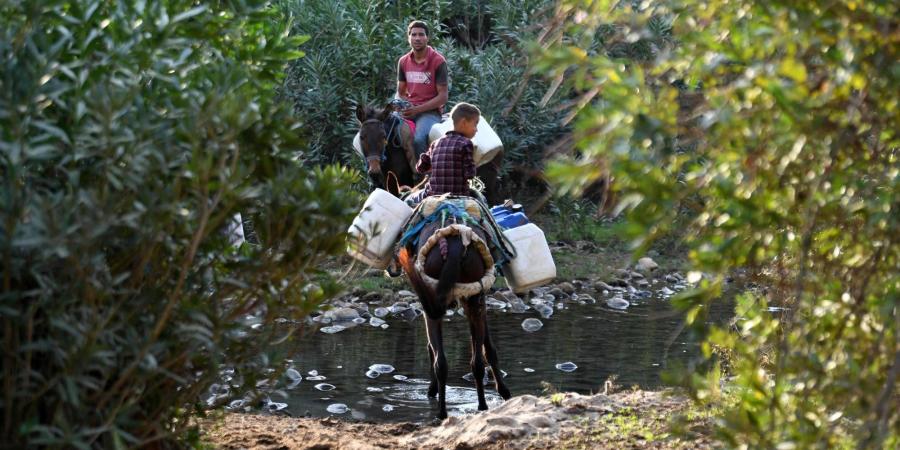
(635, 345)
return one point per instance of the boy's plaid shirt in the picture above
(449, 159)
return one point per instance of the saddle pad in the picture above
(412, 126)
(469, 205)
(469, 238)
(445, 209)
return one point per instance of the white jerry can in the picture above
(533, 264)
(376, 228)
(487, 143)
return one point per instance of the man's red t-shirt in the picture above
(422, 79)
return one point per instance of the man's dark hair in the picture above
(417, 24)
(464, 110)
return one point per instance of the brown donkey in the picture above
(442, 269)
(386, 142)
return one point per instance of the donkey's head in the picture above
(373, 140)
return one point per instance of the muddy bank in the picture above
(630, 419)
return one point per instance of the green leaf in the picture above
(189, 13)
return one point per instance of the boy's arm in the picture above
(469, 161)
(424, 164)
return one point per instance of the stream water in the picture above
(634, 345)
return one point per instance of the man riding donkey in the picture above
(422, 80)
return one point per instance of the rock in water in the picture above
(293, 374)
(337, 408)
(343, 314)
(567, 366)
(274, 406)
(409, 314)
(382, 368)
(617, 303)
(544, 310)
(493, 303)
(531, 325)
(518, 306)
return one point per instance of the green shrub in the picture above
(792, 175)
(353, 51)
(130, 135)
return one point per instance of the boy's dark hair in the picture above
(416, 24)
(464, 110)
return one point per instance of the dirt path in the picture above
(631, 419)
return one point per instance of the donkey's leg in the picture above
(439, 367)
(433, 385)
(491, 354)
(475, 312)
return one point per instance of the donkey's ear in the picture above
(392, 184)
(361, 112)
(386, 112)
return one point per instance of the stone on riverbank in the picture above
(646, 264)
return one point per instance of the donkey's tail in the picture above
(415, 279)
(449, 274)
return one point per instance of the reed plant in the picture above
(131, 134)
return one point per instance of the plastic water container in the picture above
(509, 217)
(533, 264)
(487, 143)
(357, 145)
(511, 220)
(499, 209)
(376, 228)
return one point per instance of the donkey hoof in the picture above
(504, 393)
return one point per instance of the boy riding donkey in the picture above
(449, 160)
(450, 164)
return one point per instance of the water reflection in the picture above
(635, 345)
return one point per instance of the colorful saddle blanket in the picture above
(449, 209)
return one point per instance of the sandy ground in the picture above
(630, 419)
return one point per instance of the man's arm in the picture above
(432, 104)
(401, 83)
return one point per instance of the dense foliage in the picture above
(352, 57)
(130, 135)
(786, 164)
